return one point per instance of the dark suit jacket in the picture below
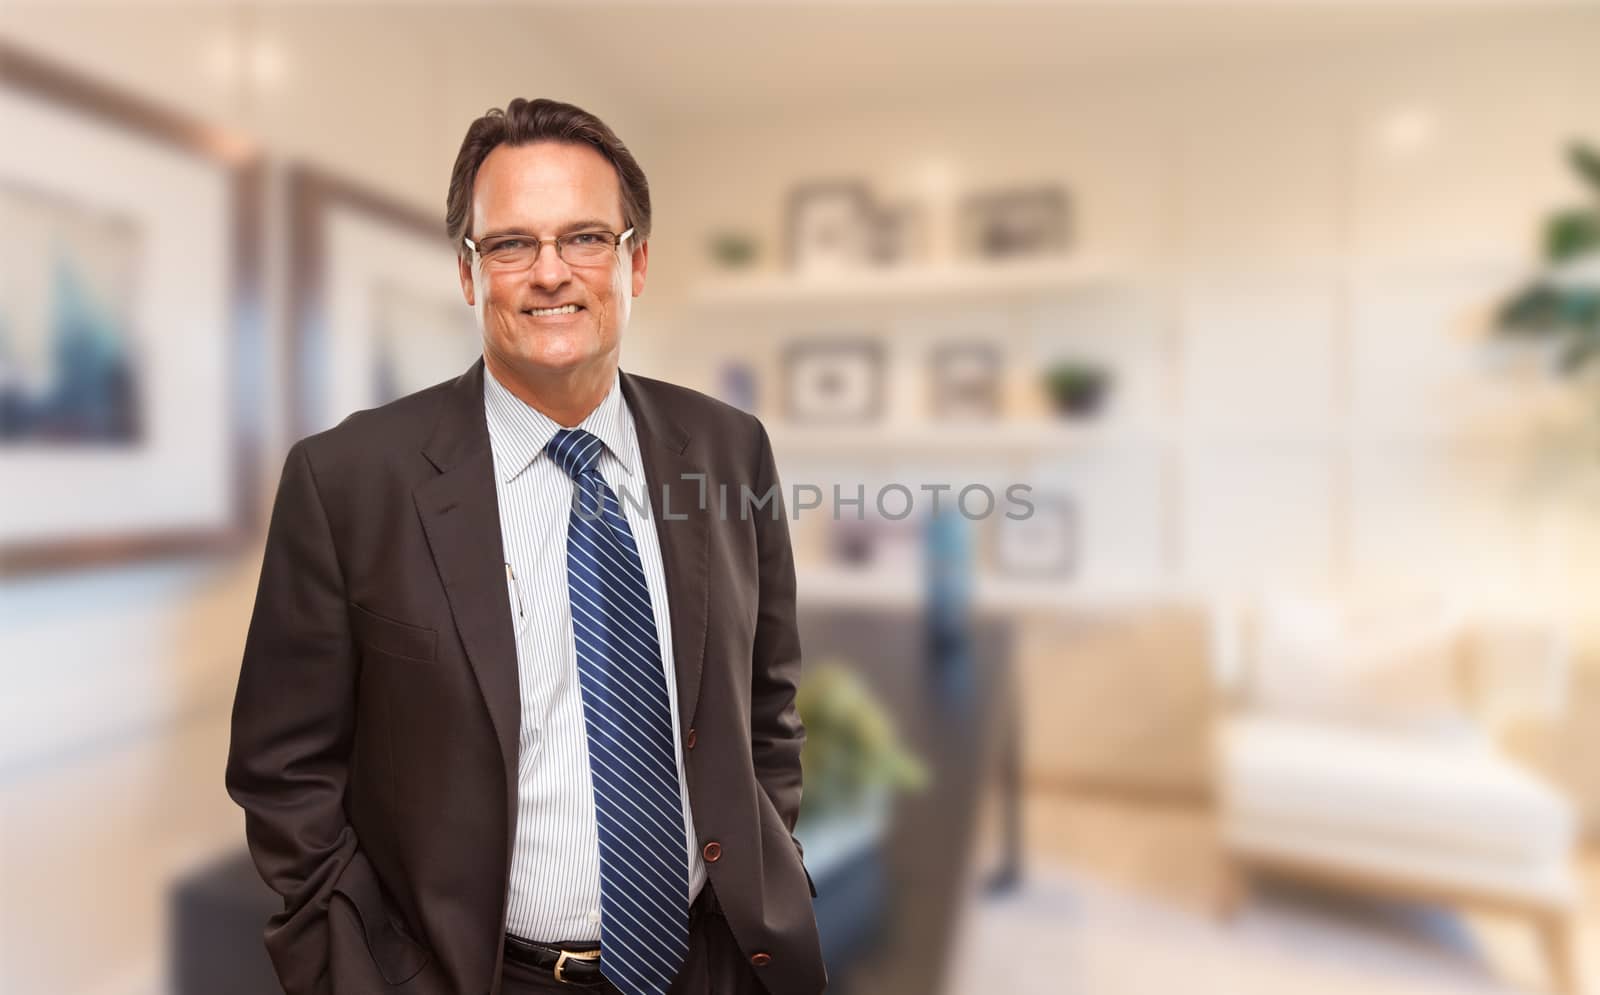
(375, 728)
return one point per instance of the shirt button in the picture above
(761, 959)
(594, 915)
(690, 741)
(712, 851)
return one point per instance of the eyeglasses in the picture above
(514, 253)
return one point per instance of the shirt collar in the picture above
(518, 433)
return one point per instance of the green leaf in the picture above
(1571, 233)
(1580, 308)
(1586, 161)
(1535, 310)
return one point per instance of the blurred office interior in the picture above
(1285, 317)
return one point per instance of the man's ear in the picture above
(641, 262)
(464, 274)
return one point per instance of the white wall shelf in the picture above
(903, 588)
(1018, 437)
(961, 282)
(962, 440)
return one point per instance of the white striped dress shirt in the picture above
(555, 860)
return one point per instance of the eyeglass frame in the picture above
(538, 243)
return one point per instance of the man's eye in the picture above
(510, 243)
(588, 238)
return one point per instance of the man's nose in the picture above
(549, 270)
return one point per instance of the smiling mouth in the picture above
(540, 312)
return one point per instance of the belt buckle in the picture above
(561, 961)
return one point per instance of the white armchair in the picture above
(1357, 747)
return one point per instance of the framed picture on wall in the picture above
(832, 227)
(1043, 545)
(377, 305)
(833, 380)
(964, 381)
(1011, 224)
(130, 326)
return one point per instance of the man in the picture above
(516, 711)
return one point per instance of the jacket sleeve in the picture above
(293, 721)
(776, 733)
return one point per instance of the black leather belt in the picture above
(580, 968)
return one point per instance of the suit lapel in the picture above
(675, 481)
(461, 516)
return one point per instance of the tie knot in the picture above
(575, 451)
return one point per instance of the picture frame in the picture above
(873, 541)
(965, 381)
(833, 381)
(376, 303)
(831, 227)
(131, 328)
(1045, 545)
(1016, 223)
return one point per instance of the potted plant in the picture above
(1076, 389)
(1563, 302)
(852, 754)
(854, 762)
(732, 250)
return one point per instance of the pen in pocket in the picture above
(516, 591)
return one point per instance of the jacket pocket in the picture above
(802, 851)
(772, 829)
(387, 635)
(398, 957)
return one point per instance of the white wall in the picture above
(1312, 241)
(1324, 230)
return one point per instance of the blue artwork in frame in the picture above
(70, 362)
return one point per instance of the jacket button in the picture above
(761, 959)
(690, 741)
(712, 851)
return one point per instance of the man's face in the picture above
(544, 190)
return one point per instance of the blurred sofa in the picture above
(1358, 746)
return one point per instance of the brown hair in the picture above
(524, 122)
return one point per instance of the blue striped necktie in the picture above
(644, 866)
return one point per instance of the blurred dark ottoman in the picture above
(218, 914)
